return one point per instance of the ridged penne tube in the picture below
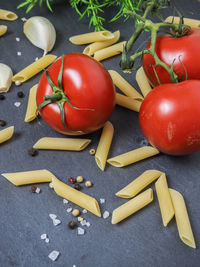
(31, 110)
(164, 199)
(6, 134)
(33, 69)
(139, 184)
(124, 86)
(128, 102)
(132, 206)
(182, 219)
(143, 82)
(110, 51)
(6, 75)
(104, 145)
(91, 37)
(7, 15)
(133, 156)
(92, 48)
(3, 29)
(54, 143)
(29, 177)
(193, 23)
(81, 199)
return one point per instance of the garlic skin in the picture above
(40, 32)
(6, 75)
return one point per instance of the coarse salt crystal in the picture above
(23, 19)
(47, 240)
(69, 209)
(19, 53)
(74, 265)
(37, 190)
(65, 201)
(43, 236)
(88, 224)
(54, 255)
(17, 104)
(52, 216)
(51, 185)
(102, 200)
(81, 231)
(56, 222)
(106, 214)
(83, 222)
(36, 59)
(17, 39)
(84, 211)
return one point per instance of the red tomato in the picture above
(184, 50)
(89, 88)
(170, 117)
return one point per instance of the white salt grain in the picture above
(17, 39)
(51, 185)
(69, 209)
(106, 214)
(23, 19)
(37, 190)
(56, 222)
(81, 231)
(88, 224)
(102, 200)
(19, 53)
(36, 59)
(54, 255)
(52, 216)
(84, 211)
(47, 240)
(17, 104)
(65, 201)
(83, 222)
(43, 236)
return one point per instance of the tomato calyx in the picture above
(59, 97)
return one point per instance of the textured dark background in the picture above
(141, 240)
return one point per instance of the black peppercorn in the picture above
(2, 97)
(2, 123)
(77, 186)
(20, 94)
(32, 152)
(72, 225)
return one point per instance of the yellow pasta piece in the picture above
(139, 184)
(7, 15)
(193, 23)
(182, 219)
(164, 199)
(133, 156)
(74, 144)
(90, 49)
(143, 82)
(124, 86)
(83, 200)
(91, 37)
(104, 145)
(6, 134)
(3, 29)
(110, 51)
(31, 113)
(132, 206)
(29, 177)
(128, 102)
(33, 69)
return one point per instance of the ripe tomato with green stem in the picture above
(75, 95)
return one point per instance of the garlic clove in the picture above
(6, 75)
(40, 32)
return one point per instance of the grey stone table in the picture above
(140, 240)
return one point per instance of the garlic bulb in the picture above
(5, 77)
(40, 32)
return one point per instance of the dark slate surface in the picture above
(140, 240)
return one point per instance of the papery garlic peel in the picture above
(6, 75)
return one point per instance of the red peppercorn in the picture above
(72, 180)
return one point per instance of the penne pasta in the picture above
(104, 145)
(164, 199)
(81, 199)
(133, 156)
(92, 48)
(31, 110)
(143, 82)
(128, 102)
(7, 15)
(29, 177)
(54, 143)
(3, 29)
(124, 86)
(91, 37)
(110, 51)
(33, 69)
(132, 206)
(193, 23)
(182, 218)
(6, 134)
(6, 75)
(139, 184)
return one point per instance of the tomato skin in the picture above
(185, 51)
(170, 117)
(88, 85)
